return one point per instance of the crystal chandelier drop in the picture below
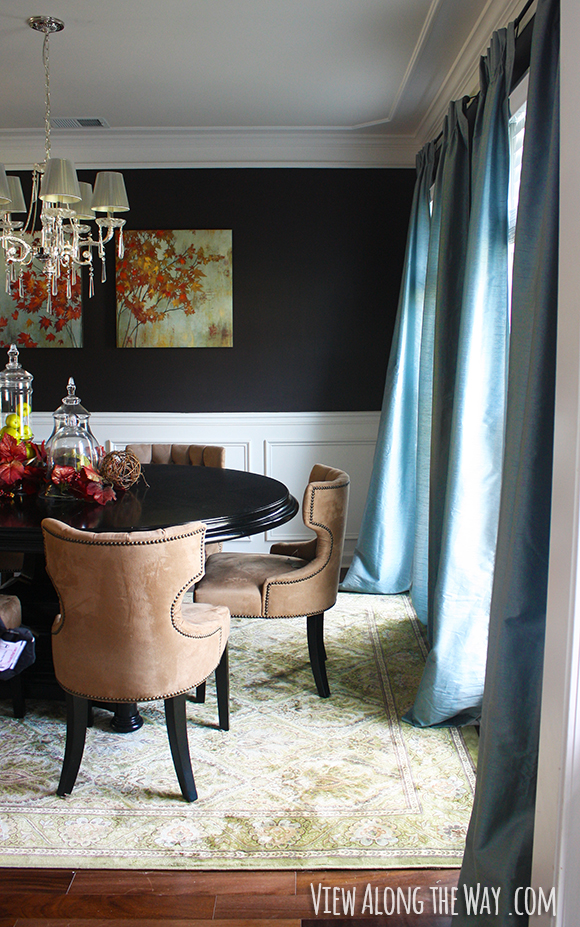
(63, 244)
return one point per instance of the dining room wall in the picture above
(317, 260)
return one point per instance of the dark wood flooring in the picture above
(120, 898)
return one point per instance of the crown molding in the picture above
(210, 147)
(463, 75)
(318, 146)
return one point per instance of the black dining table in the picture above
(231, 503)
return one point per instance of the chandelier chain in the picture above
(46, 61)
(64, 243)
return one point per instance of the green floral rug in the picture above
(297, 782)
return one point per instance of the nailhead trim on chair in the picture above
(138, 698)
(195, 637)
(109, 543)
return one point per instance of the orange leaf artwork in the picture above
(23, 312)
(174, 289)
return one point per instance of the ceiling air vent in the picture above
(82, 122)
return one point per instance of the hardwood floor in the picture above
(303, 898)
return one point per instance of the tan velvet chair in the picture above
(294, 579)
(196, 455)
(124, 633)
(11, 615)
(10, 562)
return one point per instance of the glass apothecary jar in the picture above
(72, 443)
(16, 398)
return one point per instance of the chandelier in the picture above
(63, 244)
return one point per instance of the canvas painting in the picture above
(24, 317)
(174, 289)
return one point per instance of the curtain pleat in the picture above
(500, 836)
(383, 558)
(455, 194)
(445, 274)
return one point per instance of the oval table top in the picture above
(232, 503)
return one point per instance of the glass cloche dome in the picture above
(72, 443)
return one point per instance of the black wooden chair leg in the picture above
(17, 693)
(77, 715)
(222, 685)
(200, 694)
(175, 718)
(317, 653)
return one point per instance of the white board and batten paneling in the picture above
(283, 445)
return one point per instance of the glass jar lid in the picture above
(14, 377)
(71, 406)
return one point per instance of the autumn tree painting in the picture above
(24, 317)
(174, 289)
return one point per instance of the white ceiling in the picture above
(173, 76)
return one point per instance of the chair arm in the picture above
(305, 550)
(308, 590)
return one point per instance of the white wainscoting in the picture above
(284, 445)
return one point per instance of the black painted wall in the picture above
(317, 261)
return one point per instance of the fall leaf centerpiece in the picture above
(68, 467)
(22, 467)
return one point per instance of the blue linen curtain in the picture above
(445, 272)
(453, 424)
(499, 841)
(384, 556)
(468, 405)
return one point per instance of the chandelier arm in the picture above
(11, 243)
(33, 208)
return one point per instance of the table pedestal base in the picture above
(126, 718)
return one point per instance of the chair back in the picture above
(197, 455)
(121, 635)
(325, 510)
(313, 588)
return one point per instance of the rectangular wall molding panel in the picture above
(282, 445)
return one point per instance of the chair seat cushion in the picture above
(10, 611)
(236, 580)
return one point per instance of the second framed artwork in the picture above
(174, 289)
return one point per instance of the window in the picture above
(517, 127)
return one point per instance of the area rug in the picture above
(297, 781)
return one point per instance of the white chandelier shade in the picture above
(59, 182)
(64, 242)
(16, 202)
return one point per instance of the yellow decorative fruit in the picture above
(25, 409)
(12, 420)
(27, 433)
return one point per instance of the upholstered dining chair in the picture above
(10, 562)
(124, 633)
(196, 455)
(294, 579)
(11, 618)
